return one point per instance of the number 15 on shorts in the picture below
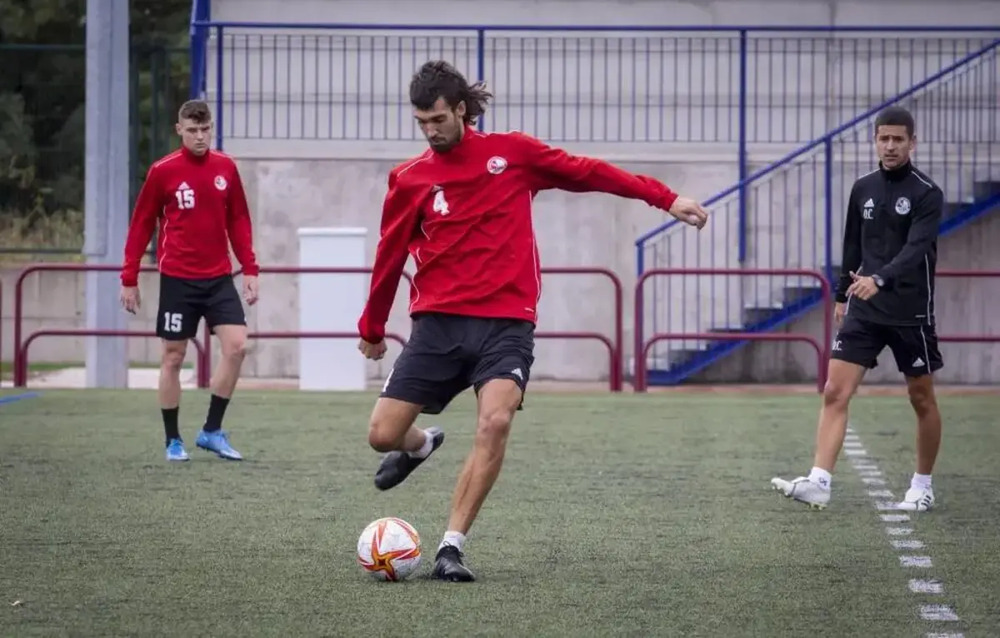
(173, 321)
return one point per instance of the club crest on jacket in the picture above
(902, 206)
(496, 165)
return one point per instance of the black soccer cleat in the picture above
(396, 466)
(448, 566)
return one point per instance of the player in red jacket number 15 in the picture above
(462, 209)
(196, 196)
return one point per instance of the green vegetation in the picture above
(42, 112)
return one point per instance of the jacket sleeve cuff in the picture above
(130, 280)
(668, 199)
(370, 333)
(253, 270)
(840, 297)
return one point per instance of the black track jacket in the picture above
(891, 234)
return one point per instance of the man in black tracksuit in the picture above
(889, 258)
(885, 299)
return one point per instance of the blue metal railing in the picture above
(983, 104)
(790, 213)
(201, 11)
(635, 84)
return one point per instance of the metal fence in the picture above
(791, 214)
(814, 88)
(634, 84)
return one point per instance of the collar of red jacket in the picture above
(461, 150)
(195, 158)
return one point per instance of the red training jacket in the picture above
(465, 216)
(201, 207)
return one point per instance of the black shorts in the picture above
(448, 353)
(183, 302)
(914, 347)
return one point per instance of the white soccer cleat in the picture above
(917, 499)
(804, 491)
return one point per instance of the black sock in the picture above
(170, 423)
(216, 410)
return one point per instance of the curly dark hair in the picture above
(438, 79)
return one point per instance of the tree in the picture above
(42, 98)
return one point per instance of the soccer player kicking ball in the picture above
(197, 197)
(885, 298)
(463, 210)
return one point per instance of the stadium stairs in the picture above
(796, 300)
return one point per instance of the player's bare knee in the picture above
(493, 426)
(173, 354)
(382, 437)
(921, 397)
(390, 421)
(235, 348)
(836, 394)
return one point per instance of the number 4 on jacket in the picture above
(440, 203)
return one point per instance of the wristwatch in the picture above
(878, 281)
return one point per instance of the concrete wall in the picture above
(573, 229)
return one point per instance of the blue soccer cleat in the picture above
(176, 451)
(218, 442)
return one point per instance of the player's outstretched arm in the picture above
(147, 208)
(399, 222)
(240, 230)
(556, 168)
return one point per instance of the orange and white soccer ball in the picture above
(389, 549)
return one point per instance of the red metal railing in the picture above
(401, 341)
(20, 367)
(613, 344)
(287, 270)
(642, 347)
(83, 332)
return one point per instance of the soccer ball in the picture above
(389, 549)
